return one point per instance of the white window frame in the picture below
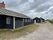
(8, 20)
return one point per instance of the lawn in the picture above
(6, 34)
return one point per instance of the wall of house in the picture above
(18, 22)
(4, 24)
(28, 21)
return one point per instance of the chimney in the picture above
(2, 5)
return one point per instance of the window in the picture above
(8, 20)
(29, 20)
(25, 20)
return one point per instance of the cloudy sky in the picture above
(31, 8)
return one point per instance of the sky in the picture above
(31, 8)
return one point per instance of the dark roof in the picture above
(12, 13)
(36, 18)
(41, 18)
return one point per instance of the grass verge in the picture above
(6, 34)
(51, 21)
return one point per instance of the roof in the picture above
(41, 18)
(36, 18)
(12, 13)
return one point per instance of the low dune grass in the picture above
(51, 21)
(7, 34)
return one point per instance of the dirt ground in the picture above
(43, 32)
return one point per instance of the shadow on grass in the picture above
(18, 33)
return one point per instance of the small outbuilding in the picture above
(12, 20)
(38, 20)
(42, 20)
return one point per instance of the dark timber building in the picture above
(38, 20)
(12, 20)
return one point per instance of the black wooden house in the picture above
(42, 19)
(12, 20)
(38, 20)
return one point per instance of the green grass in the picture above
(51, 21)
(6, 34)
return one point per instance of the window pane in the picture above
(8, 20)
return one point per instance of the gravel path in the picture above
(44, 32)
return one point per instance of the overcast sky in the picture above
(32, 8)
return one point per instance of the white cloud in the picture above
(32, 8)
(31, 0)
(1, 1)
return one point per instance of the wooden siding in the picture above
(3, 24)
(18, 22)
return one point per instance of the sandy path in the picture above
(44, 32)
